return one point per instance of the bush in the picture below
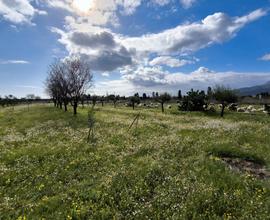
(193, 101)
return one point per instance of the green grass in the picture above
(162, 170)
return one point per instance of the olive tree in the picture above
(114, 99)
(134, 100)
(224, 96)
(163, 98)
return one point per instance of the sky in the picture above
(136, 45)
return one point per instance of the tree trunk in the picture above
(222, 110)
(75, 108)
(162, 107)
(133, 105)
(61, 105)
(65, 104)
(102, 103)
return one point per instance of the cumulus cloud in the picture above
(148, 79)
(108, 60)
(187, 38)
(266, 57)
(14, 62)
(98, 40)
(18, 11)
(99, 49)
(171, 61)
(108, 51)
(200, 78)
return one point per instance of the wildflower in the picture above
(228, 215)
(41, 186)
(69, 217)
(21, 218)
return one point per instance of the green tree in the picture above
(224, 96)
(163, 98)
(134, 100)
(179, 95)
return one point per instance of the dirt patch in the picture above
(247, 166)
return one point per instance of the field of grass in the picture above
(167, 168)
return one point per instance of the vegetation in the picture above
(193, 101)
(169, 169)
(134, 100)
(162, 99)
(225, 96)
(91, 124)
(68, 81)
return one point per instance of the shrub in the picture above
(193, 101)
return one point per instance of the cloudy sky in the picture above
(136, 45)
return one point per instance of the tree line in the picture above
(68, 81)
(11, 100)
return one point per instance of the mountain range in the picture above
(254, 90)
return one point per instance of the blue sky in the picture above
(136, 45)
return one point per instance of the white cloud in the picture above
(14, 62)
(108, 51)
(99, 48)
(161, 2)
(102, 12)
(148, 79)
(170, 61)
(266, 57)
(19, 11)
(118, 87)
(187, 3)
(105, 74)
(187, 38)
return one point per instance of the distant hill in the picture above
(254, 90)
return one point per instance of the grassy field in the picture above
(167, 168)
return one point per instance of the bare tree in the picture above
(51, 86)
(79, 80)
(56, 84)
(68, 81)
